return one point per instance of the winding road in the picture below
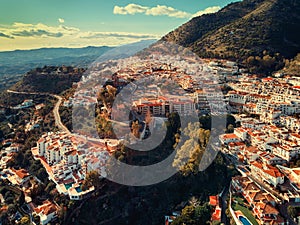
(57, 117)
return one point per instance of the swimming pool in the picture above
(68, 185)
(244, 220)
(78, 189)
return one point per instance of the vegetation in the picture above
(23, 158)
(49, 79)
(191, 215)
(15, 63)
(245, 211)
(66, 116)
(149, 204)
(187, 34)
(261, 34)
(92, 179)
(192, 150)
(292, 67)
(293, 211)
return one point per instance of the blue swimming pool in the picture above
(78, 189)
(68, 185)
(244, 220)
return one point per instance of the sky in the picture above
(31, 24)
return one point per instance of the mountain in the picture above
(50, 79)
(242, 29)
(14, 64)
(125, 51)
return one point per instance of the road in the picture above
(57, 117)
(223, 198)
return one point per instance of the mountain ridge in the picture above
(244, 29)
(15, 63)
(52, 48)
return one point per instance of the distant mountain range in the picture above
(14, 64)
(243, 29)
(261, 34)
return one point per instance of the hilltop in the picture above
(249, 28)
(50, 79)
(15, 63)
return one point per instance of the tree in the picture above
(136, 129)
(92, 179)
(189, 154)
(50, 186)
(202, 136)
(37, 190)
(191, 215)
(21, 199)
(36, 219)
(42, 174)
(4, 218)
(292, 211)
(186, 217)
(194, 201)
(203, 213)
(230, 128)
(148, 117)
(25, 220)
(250, 61)
(268, 61)
(11, 209)
(206, 137)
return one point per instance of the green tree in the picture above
(136, 129)
(92, 179)
(203, 213)
(189, 154)
(292, 211)
(21, 199)
(192, 215)
(230, 128)
(25, 220)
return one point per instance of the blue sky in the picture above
(27, 24)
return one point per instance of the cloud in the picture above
(6, 36)
(208, 10)
(160, 10)
(90, 35)
(61, 20)
(30, 36)
(38, 32)
(42, 30)
(130, 9)
(71, 29)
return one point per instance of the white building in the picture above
(266, 172)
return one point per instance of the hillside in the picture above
(293, 66)
(15, 63)
(244, 29)
(50, 79)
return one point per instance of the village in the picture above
(264, 144)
